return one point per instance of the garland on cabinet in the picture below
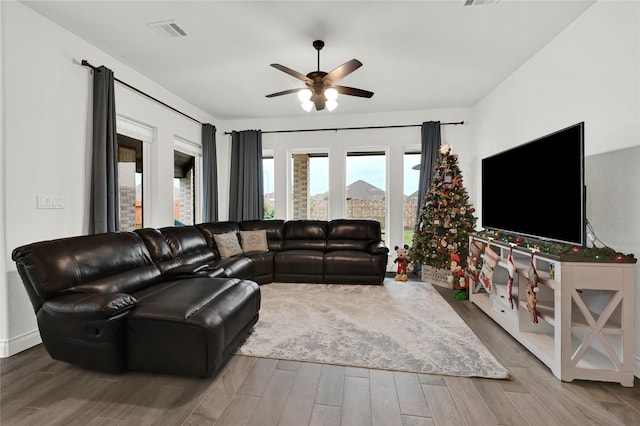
(557, 249)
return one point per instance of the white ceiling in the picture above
(417, 54)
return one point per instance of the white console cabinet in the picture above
(585, 326)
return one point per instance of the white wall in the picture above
(4, 314)
(590, 72)
(46, 97)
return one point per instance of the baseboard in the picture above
(19, 343)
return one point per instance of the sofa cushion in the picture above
(188, 245)
(183, 239)
(252, 241)
(122, 282)
(209, 229)
(53, 267)
(299, 266)
(352, 234)
(228, 244)
(354, 266)
(190, 327)
(305, 235)
(156, 244)
(274, 228)
(262, 266)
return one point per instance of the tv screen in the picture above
(537, 189)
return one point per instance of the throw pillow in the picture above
(254, 240)
(228, 244)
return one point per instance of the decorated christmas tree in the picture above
(446, 217)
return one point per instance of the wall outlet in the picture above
(50, 201)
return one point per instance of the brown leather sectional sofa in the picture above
(171, 300)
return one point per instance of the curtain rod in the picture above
(353, 128)
(87, 64)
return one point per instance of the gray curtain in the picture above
(209, 174)
(428, 158)
(104, 199)
(246, 188)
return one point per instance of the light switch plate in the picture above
(50, 201)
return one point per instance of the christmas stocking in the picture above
(475, 250)
(486, 273)
(511, 269)
(532, 290)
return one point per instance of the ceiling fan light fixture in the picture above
(331, 94)
(307, 105)
(304, 95)
(331, 105)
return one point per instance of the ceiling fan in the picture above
(320, 90)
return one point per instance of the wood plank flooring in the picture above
(36, 390)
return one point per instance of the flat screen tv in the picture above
(548, 202)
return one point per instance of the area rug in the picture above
(400, 326)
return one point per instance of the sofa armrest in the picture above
(89, 306)
(185, 270)
(378, 247)
(190, 271)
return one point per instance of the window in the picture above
(410, 205)
(310, 186)
(366, 185)
(130, 182)
(183, 188)
(187, 182)
(319, 186)
(268, 187)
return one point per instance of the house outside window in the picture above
(268, 186)
(310, 186)
(411, 177)
(366, 186)
(187, 182)
(130, 182)
(183, 188)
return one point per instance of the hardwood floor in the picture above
(36, 390)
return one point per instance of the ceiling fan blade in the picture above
(344, 90)
(343, 70)
(289, 71)
(284, 92)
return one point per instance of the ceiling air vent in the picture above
(168, 29)
(478, 2)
